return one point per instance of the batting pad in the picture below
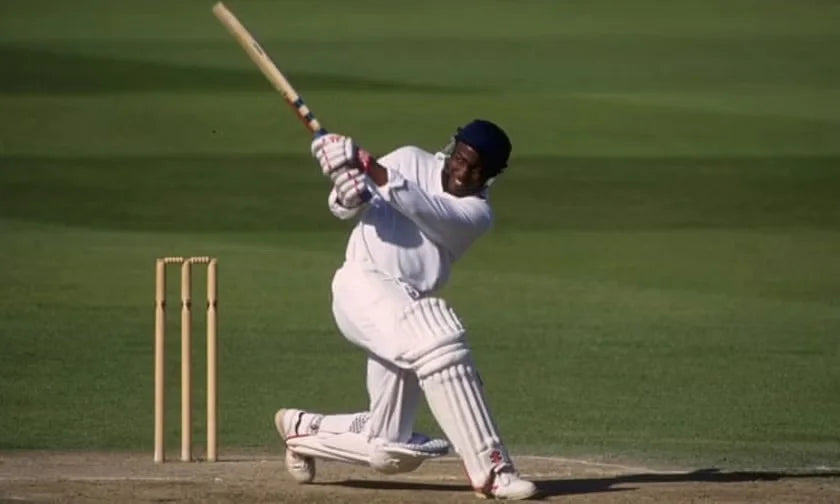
(419, 445)
(344, 438)
(435, 337)
(349, 447)
(443, 363)
(393, 458)
(456, 399)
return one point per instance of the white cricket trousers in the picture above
(366, 304)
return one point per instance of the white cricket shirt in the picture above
(413, 230)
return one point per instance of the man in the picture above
(417, 214)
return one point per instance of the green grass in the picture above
(662, 282)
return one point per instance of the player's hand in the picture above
(333, 153)
(350, 187)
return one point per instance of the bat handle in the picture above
(320, 132)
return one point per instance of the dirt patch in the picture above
(254, 477)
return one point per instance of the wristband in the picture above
(365, 160)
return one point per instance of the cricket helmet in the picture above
(489, 140)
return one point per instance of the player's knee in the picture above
(437, 336)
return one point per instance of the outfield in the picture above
(662, 283)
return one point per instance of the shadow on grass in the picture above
(550, 488)
(32, 70)
(554, 193)
(572, 486)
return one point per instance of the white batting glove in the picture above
(333, 153)
(351, 187)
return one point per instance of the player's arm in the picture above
(453, 223)
(378, 174)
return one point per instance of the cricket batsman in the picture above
(417, 213)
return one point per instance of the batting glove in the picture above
(351, 188)
(333, 153)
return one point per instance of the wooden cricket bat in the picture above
(268, 68)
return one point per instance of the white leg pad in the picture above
(457, 401)
(333, 437)
(393, 458)
(352, 448)
(436, 336)
(345, 438)
(443, 363)
(348, 447)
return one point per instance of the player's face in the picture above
(463, 173)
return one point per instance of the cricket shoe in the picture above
(507, 485)
(289, 424)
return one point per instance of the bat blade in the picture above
(258, 55)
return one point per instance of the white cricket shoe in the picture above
(507, 485)
(302, 468)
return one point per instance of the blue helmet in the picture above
(490, 141)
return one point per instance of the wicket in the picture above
(186, 345)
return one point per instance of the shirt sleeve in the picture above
(451, 222)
